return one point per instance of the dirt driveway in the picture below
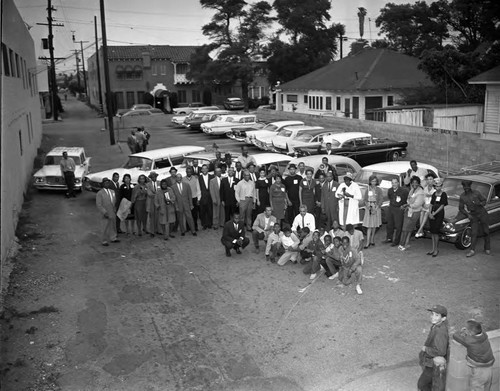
(148, 314)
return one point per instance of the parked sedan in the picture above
(225, 123)
(359, 146)
(185, 110)
(194, 120)
(456, 226)
(234, 104)
(50, 177)
(248, 133)
(141, 113)
(141, 106)
(290, 133)
(342, 164)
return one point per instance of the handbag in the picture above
(124, 209)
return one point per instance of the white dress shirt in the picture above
(307, 220)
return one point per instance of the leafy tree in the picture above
(412, 28)
(310, 42)
(236, 30)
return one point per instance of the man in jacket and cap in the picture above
(434, 353)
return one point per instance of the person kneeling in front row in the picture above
(274, 248)
(233, 236)
(351, 270)
(290, 244)
(263, 226)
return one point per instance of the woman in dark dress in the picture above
(436, 216)
(262, 185)
(139, 196)
(307, 191)
(126, 192)
(277, 199)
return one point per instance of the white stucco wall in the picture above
(21, 121)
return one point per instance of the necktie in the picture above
(230, 181)
(236, 227)
(303, 223)
(154, 186)
(180, 188)
(330, 186)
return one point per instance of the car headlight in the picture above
(448, 227)
(39, 179)
(77, 180)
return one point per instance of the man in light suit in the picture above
(329, 202)
(215, 193)
(233, 236)
(183, 205)
(227, 194)
(151, 188)
(106, 204)
(206, 199)
(115, 186)
(262, 227)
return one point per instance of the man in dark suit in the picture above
(320, 217)
(329, 202)
(233, 235)
(115, 186)
(206, 199)
(227, 195)
(196, 168)
(183, 205)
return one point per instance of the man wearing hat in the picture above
(349, 195)
(471, 204)
(151, 188)
(106, 204)
(434, 353)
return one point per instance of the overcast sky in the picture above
(156, 22)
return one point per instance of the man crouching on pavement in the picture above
(233, 235)
(263, 227)
(273, 245)
(435, 350)
(351, 271)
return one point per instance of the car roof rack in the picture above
(483, 168)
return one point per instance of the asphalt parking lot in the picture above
(146, 314)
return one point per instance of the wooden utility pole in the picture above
(77, 69)
(109, 103)
(83, 63)
(97, 63)
(52, 63)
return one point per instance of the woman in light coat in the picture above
(416, 200)
(349, 195)
(165, 206)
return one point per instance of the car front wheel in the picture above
(465, 239)
(393, 156)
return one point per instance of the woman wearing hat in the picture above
(139, 196)
(349, 195)
(439, 200)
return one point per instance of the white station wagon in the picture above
(225, 123)
(50, 177)
(142, 163)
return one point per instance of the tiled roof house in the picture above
(370, 79)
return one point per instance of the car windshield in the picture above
(304, 137)
(384, 178)
(56, 160)
(138, 162)
(453, 188)
(285, 133)
(270, 127)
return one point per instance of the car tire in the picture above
(393, 156)
(182, 113)
(465, 239)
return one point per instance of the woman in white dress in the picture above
(349, 195)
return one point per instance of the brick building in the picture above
(136, 71)
(21, 119)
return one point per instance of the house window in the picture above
(316, 102)
(181, 96)
(12, 63)
(5, 56)
(305, 99)
(21, 142)
(390, 100)
(328, 103)
(130, 98)
(195, 96)
(339, 103)
(154, 69)
(182, 68)
(292, 98)
(120, 72)
(129, 73)
(163, 69)
(137, 72)
(120, 103)
(18, 72)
